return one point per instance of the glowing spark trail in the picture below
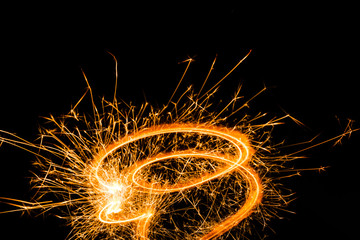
(237, 162)
(183, 171)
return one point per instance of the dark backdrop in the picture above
(307, 56)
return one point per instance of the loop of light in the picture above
(238, 162)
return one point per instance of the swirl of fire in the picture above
(111, 212)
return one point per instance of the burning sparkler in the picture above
(181, 171)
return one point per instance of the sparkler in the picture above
(180, 171)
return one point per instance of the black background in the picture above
(306, 55)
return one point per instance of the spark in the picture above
(183, 171)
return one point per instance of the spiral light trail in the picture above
(233, 162)
(190, 169)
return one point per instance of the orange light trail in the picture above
(190, 169)
(233, 162)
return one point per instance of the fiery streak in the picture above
(120, 172)
(236, 162)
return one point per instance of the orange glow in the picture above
(191, 169)
(233, 162)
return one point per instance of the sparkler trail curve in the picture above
(181, 171)
(237, 162)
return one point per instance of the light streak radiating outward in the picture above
(236, 162)
(187, 170)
